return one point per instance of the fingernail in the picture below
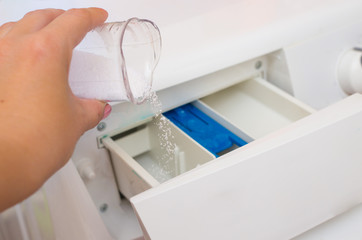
(107, 111)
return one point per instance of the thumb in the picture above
(92, 112)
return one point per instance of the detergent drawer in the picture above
(250, 109)
(276, 187)
(151, 153)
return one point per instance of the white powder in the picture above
(166, 138)
(96, 76)
(139, 84)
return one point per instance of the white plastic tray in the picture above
(250, 109)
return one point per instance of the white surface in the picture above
(199, 37)
(273, 188)
(73, 213)
(346, 226)
(122, 222)
(12, 225)
(313, 62)
(236, 33)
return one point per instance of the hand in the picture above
(40, 119)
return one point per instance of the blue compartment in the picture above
(204, 130)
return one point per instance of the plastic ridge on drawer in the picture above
(204, 130)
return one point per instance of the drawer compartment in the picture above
(141, 160)
(253, 108)
(209, 133)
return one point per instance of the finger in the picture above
(5, 28)
(92, 112)
(34, 21)
(73, 25)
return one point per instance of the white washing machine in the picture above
(284, 76)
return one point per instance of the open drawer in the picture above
(142, 161)
(276, 187)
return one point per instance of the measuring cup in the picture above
(115, 61)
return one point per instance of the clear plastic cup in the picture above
(116, 61)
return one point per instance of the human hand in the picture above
(40, 119)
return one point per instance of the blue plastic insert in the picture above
(204, 130)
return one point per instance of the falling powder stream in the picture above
(166, 138)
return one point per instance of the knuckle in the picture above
(32, 13)
(43, 44)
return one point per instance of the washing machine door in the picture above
(276, 187)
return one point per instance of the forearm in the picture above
(20, 173)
